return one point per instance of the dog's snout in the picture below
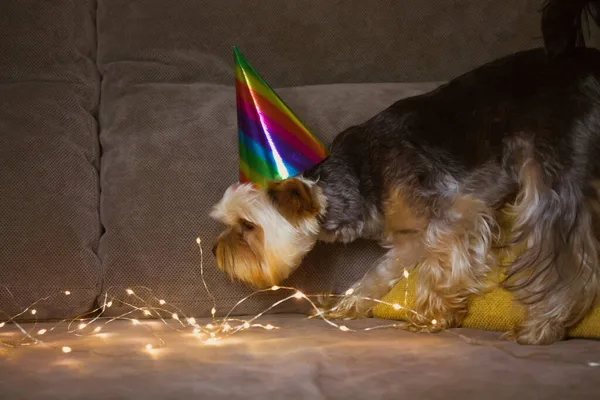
(214, 250)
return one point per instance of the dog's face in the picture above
(268, 231)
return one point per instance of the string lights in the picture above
(94, 323)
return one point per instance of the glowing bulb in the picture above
(397, 306)
(81, 326)
(149, 347)
(405, 273)
(42, 331)
(433, 321)
(275, 287)
(299, 295)
(66, 349)
(349, 291)
(2, 324)
(109, 304)
(135, 322)
(161, 302)
(209, 326)
(191, 321)
(269, 327)
(175, 316)
(213, 311)
(196, 331)
(34, 311)
(211, 341)
(226, 328)
(344, 328)
(146, 312)
(212, 334)
(97, 329)
(198, 240)
(67, 293)
(129, 292)
(246, 325)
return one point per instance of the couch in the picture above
(117, 135)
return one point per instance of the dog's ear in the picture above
(294, 199)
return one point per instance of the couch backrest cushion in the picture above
(169, 153)
(49, 157)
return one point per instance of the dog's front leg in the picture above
(358, 300)
(457, 256)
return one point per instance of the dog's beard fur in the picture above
(269, 230)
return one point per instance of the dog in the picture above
(427, 178)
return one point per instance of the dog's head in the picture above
(268, 231)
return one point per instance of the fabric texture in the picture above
(49, 158)
(493, 310)
(303, 359)
(305, 42)
(169, 154)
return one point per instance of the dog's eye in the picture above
(246, 225)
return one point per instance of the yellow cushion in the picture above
(494, 310)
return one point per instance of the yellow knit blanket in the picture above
(494, 310)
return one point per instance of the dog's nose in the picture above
(214, 250)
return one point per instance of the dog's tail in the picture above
(563, 24)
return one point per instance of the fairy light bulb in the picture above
(344, 328)
(67, 293)
(175, 316)
(109, 304)
(299, 295)
(246, 325)
(161, 302)
(405, 273)
(33, 312)
(196, 331)
(349, 292)
(434, 322)
(209, 326)
(213, 311)
(397, 306)
(226, 328)
(129, 291)
(66, 349)
(97, 329)
(149, 347)
(269, 327)
(42, 331)
(147, 312)
(191, 321)
(275, 287)
(198, 240)
(81, 326)
(212, 334)
(2, 324)
(135, 322)
(211, 340)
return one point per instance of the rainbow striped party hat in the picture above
(273, 144)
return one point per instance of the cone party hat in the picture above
(273, 144)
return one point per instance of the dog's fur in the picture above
(427, 178)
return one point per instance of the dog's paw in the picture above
(433, 326)
(541, 334)
(348, 307)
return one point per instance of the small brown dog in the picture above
(427, 178)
